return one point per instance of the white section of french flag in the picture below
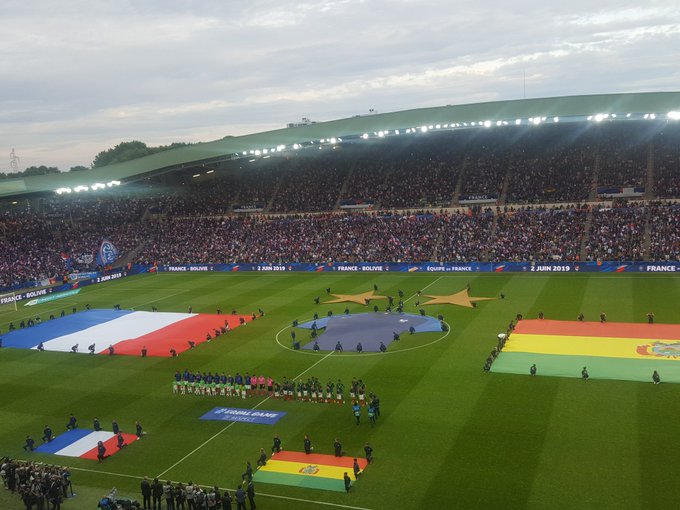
(129, 326)
(85, 444)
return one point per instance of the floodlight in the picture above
(628, 115)
(438, 126)
(364, 136)
(210, 171)
(396, 131)
(296, 146)
(556, 119)
(674, 115)
(652, 116)
(423, 129)
(381, 134)
(197, 175)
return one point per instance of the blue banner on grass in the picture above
(243, 415)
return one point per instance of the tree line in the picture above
(124, 151)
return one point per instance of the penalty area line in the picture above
(227, 427)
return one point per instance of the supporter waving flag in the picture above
(107, 253)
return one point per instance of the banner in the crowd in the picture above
(620, 192)
(249, 208)
(490, 198)
(85, 258)
(438, 267)
(244, 415)
(350, 203)
(83, 275)
(107, 253)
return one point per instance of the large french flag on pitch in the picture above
(126, 330)
(83, 443)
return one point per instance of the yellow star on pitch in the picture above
(461, 298)
(362, 298)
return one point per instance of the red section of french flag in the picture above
(177, 335)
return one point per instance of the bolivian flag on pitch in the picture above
(315, 471)
(611, 350)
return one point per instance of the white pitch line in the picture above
(161, 299)
(206, 442)
(426, 287)
(315, 364)
(233, 422)
(105, 473)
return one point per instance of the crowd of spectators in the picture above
(464, 237)
(667, 164)
(36, 249)
(559, 175)
(623, 159)
(538, 235)
(664, 231)
(310, 184)
(617, 233)
(302, 238)
(404, 178)
(36, 484)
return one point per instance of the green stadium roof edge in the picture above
(583, 107)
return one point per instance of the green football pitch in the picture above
(449, 435)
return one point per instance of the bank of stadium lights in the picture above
(673, 115)
(93, 187)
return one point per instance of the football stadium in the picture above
(471, 306)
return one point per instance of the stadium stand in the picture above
(193, 220)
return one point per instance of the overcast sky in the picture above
(77, 77)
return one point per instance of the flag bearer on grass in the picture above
(276, 447)
(30, 444)
(369, 452)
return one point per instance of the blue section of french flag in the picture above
(75, 443)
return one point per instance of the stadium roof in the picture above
(526, 111)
